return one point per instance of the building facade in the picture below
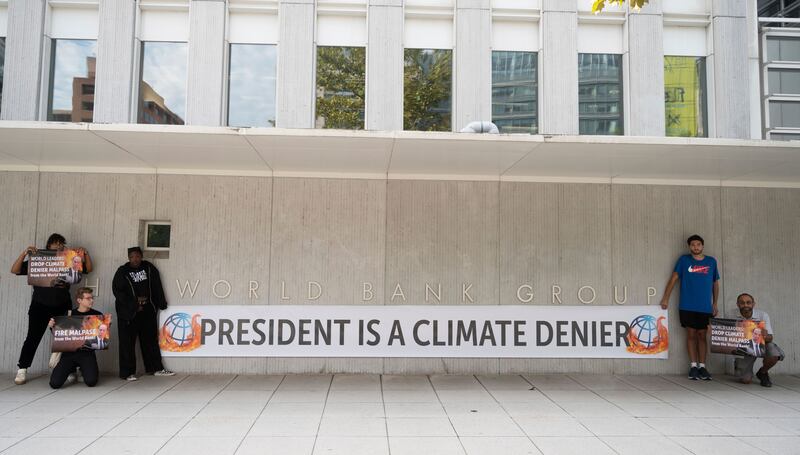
(238, 124)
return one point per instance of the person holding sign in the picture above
(84, 358)
(699, 279)
(46, 302)
(772, 352)
(139, 295)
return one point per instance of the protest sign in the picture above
(738, 337)
(522, 331)
(75, 332)
(55, 268)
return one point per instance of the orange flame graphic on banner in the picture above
(94, 323)
(189, 339)
(659, 344)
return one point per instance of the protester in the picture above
(139, 295)
(84, 358)
(744, 366)
(46, 302)
(699, 277)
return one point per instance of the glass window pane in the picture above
(784, 114)
(340, 87)
(251, 94)
(783, 48)
(600, 94)
(427, 89)
(158, 235)
(514, 92)
(2, 67)
(685, 98)
(71, 70)
(784, 137)
(162, 89)
(784, 81)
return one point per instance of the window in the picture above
(514, 92)
(784, 114)
(427, 90)
(251, 85)
(157, 235)
(72, 68)
(783, 48)
(783, 81)
(685, 99)
(340, 87)
(2, 65)
(162, 87)
(600, 94)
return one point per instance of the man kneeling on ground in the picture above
(773, 354)
(84, 358)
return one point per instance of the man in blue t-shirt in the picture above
(699, 278)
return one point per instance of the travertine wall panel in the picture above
(384, 109)
(115, 51)
(17, 231)
(206, 58)
(761, 239)
(21, 80)
(558, 80)
(296, 56)
(341, 233)
(330, 232)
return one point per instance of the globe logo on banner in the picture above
(180, 333)
(648, 335)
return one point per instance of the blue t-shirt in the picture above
(697, 282)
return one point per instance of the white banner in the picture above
(415, 331)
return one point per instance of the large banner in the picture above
(75, 332)
(636, 332)
(49, 268)
(738, 336)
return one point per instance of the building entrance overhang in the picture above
(129, 148)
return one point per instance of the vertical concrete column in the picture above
(473, 62)
(644, 61)
(295, 103)
(558, 81)
(115, 53)
(23, 62)
(206, 65)
(384, 104)
(754, 68)
(731, 76)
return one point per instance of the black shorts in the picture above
(694, 319)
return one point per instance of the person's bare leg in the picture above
(702, 345)
(691, 343)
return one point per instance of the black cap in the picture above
(134, 249)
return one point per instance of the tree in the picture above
(340, 87)
(598, 5)
(427, 86)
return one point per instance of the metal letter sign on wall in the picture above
(415, 331)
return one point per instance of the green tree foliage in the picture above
(598, 5)
(340, 87)
(427, 88)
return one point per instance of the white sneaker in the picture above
(71, 379)
(21, 379)
(164, 372)
(132, 378)
(79, 376)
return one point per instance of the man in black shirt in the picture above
(45, 303)
(84, 358)
(139, 295)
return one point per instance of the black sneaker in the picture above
(703, 374)
(764, 378)
(694, 373)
